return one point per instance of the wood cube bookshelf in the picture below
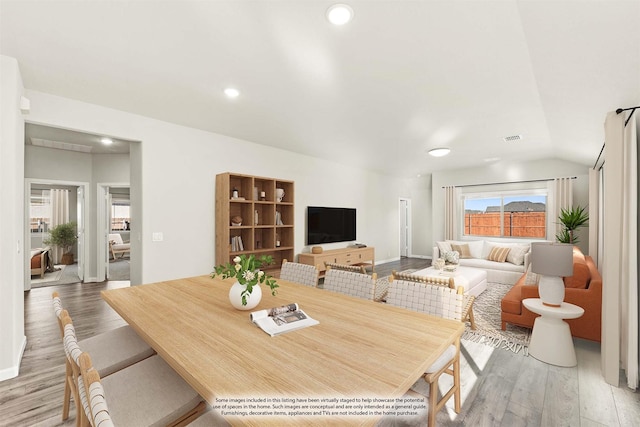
(267, 226)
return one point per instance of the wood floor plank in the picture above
(562, 402)
(596, 397)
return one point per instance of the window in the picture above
(120, 215)
(40, 211)
(514, 214)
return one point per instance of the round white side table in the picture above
(551, 340)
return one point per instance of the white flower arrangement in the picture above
(246, 271)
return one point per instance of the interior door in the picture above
(405, 230)
(80, 222)
(107, 228)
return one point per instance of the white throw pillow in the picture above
(444, 247)
(517, 253)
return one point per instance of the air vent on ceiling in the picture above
(61, 145)
(512, 138)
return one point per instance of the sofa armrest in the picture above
(529, 291)
(435, 254)
(527, 261)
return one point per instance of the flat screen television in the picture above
(328, 225)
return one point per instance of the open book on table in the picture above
(278, 320)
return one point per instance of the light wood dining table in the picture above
(360, 349)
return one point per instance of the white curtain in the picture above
(620, 265)
(560, 192)
(59, 215)
(451, 197)
(595, 218)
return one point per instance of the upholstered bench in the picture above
(473, 280)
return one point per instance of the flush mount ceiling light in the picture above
(231, 92)
(439, 152)
(107, 141)
(339, 14)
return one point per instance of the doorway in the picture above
(405, 227)
(49, 202)
(114, 219)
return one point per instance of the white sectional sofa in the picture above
(509, 271)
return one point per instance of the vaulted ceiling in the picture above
(401, 78)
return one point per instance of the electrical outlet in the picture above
(157, 237)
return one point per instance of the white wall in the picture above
(176, 167)
(510, 172)
(12, 253)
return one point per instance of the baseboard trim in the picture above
(13, 371)
(90, 280)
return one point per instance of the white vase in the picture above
(253, 299)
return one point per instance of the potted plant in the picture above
(246, 293)
(571, 219)
(64, 236)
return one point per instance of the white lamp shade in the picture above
(552, 259)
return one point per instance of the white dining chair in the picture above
(147, 393)
(299, 273)
(440, 301)
(114, 349)
(351, 283)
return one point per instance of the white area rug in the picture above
(49, 277)
(487, 312)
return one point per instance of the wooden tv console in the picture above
(350, 256)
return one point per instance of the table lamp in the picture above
(551, 261)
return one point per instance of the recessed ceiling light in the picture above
(439, 152)
(107, 141)
(231, 92)
(339, 14)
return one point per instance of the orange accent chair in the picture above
(583, 289)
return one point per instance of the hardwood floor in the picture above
(499, 388)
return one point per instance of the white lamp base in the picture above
(551, 289)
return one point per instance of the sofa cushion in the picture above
(492, 265)
(498, 253)
(463, 250)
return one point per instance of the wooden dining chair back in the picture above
(350, 283)
(299, 273)
(438, 301)
(114, 349)
(433, 280)
(144, 394)
(345, 267)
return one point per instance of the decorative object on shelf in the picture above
(263, 196)
(279, 218)
(279, 194)
(245, 294)
(438, 264)
(571, 219)
(316, 250)
(236, 221)
(551, 261)
(234, 195)
(63, 236)
(255, 217)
